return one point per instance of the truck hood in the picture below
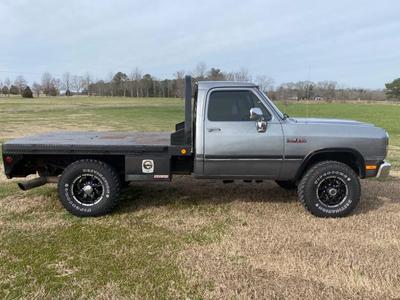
(317, 121)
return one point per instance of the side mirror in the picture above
(261, 126)
(256, 113)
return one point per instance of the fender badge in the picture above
(296, 140)
(147, 166)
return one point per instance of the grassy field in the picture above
(193, 239)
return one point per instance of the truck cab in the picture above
(230, 143)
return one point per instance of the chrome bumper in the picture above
(383, 170)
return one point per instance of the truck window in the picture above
(233, 106)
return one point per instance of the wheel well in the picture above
(351, 158)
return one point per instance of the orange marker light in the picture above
(183, 151)
(370, 167)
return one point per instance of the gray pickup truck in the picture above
(232, 131)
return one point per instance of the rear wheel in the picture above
(286, 184)
(89, 188)
(330, 189)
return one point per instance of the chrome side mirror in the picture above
(256, 113)
(261, 126)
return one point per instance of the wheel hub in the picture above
(88, 189)
(332, 191)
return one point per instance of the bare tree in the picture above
(36, 88)
(327, 89)
(66, 83)
(242, 75)
(56, 84)
(20, 83)
(265, 83)
(77, 82)
(200, 71)
(179, 75)
(216, 74)
(135, 78)
(87, 81)
(230, 76)
(110, 91)
(6, 86)
(46, 83)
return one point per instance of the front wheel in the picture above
(330, 189)
(89, 188)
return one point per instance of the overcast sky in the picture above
(356, 43)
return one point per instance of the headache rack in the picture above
(183, 134)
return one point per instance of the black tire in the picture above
(330, 189)
(89, 188)
(287, 184)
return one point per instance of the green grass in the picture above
(115, 114)
(7, 189)
(44, 247)
(47, 253)
(52, 256)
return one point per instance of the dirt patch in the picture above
(181, 221)
(3, 177)
(282, 252)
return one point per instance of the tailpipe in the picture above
(36, 182)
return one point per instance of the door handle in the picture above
(213, 129)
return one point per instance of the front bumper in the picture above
(384, 170)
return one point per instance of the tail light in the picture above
(8, 160)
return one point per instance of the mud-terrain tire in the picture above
(330, 189)
(287, 184)
(89, 188)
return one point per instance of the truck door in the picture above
(233, 145)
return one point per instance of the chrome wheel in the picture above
(332, 191)
(87, 189)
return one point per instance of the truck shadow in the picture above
(378, 194)
(187, 192)
(184, 192)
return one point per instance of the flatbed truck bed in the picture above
(136, 155)
(79, 142)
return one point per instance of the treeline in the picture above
(324, 90)
(139, 84)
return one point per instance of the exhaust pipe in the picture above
(36, 182)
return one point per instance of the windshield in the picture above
(281, 115)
